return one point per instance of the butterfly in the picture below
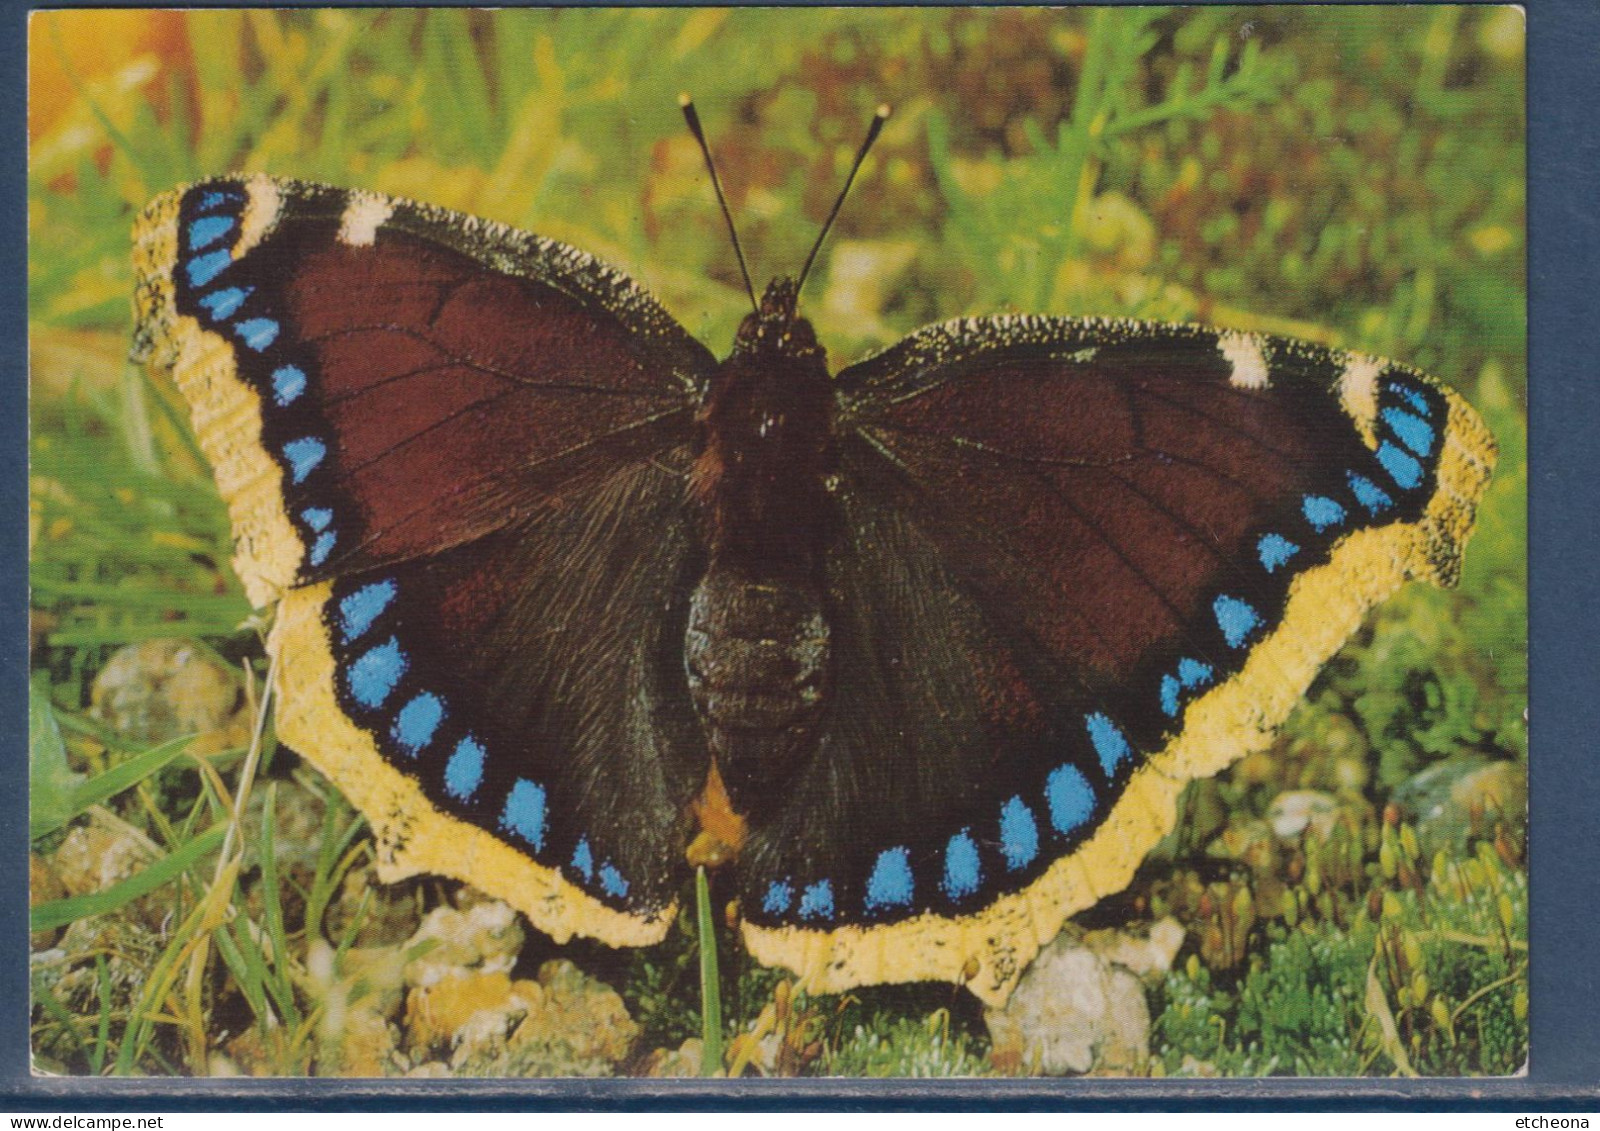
(922, 651)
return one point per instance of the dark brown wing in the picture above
(458, 450)
(1083, 563)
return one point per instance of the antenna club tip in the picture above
(684, 101)
(884, 110)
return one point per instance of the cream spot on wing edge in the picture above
(263, 204)
(1243, 352)
(1358, 392)
(363, 216)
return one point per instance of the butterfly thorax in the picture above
(756, 649)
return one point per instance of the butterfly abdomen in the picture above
(756, 651)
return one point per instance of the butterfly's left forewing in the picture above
(1082, 563)
(456, 451)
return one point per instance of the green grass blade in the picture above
(112, 782)
(52, 783)
(60, 912)
(710, 981)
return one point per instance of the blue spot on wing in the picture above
(288, 382)
(612, 881)
(524, 813)
(1236, 618)
(1414, 398)
(816, 902)
(358, 610)
(1401, 466)
(208, 230)
(464, 772)
(890, 884)
(258, 333)
(779, 895)
(1369, 494)
(1070, 796)
(1170, 687)
(203, 268)
(583, 859)
(1109, 743)
(962, 868)
(322, 547)
(1321, 512)
(303, 455)
(1193, 673)
(414, 727)
(223, 302)
(213, 199)
(1019, 834)
(1412, 431)
(317, 518)
(375, 672)
(1275, 550)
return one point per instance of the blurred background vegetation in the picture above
(1352, 175)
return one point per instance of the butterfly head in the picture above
(775, 330)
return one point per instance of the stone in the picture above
(1295, 812)
(158, 690)
(1072, 1013)
(1463, 797)
(95, 856)
(43, 886)
(484, 937)
(683, 1061)
(1147, 954)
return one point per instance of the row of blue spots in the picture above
(257, 333)
(1071, 800)
(1191, 674)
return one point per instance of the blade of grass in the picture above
(60, 912)
(710, 981)
(120, 777)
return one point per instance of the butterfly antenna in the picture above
(690, 116)
(873, 131)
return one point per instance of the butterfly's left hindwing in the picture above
(1083, 564)
(426, 427)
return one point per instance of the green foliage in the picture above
(1445, 958)
(887, 1045)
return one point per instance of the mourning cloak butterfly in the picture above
(923, 651)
